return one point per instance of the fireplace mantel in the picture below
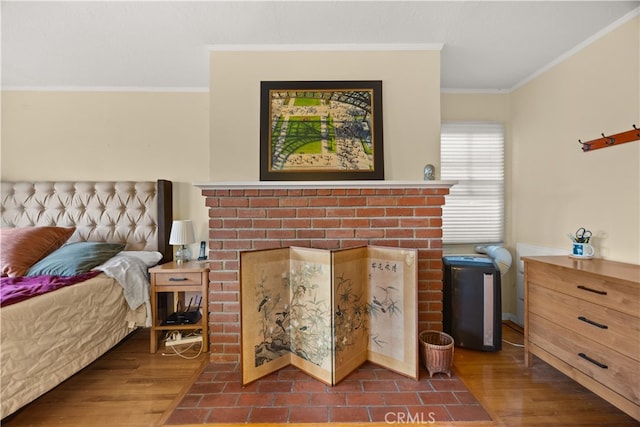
(250, 215)
(271, 185)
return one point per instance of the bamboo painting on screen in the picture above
(327, 312)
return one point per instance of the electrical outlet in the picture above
(183, 340)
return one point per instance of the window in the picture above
(473, 154)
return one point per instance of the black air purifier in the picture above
(472, 303)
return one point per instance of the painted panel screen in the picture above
(327, 312)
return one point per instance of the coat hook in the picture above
(609, 140)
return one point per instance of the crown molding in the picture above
(104, 89)
(329, 47)
(606, 30)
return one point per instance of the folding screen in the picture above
(327, 312)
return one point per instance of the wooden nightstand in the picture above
(169, 284)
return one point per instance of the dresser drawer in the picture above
(617, 372)
(611, 328)
(618, 295)
(178, 279)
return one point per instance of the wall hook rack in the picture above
(608, 141)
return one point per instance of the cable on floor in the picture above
(516, 328)
(181, 352)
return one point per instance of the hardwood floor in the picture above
(130, 387)
(538, 396)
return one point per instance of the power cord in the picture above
(517, 329)
(513, 343)
(177, 335)
(181, 353)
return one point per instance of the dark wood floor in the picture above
(130, 387)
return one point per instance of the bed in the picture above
(47, 338)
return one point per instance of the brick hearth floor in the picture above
(369, 394)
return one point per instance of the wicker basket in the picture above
(437, 351)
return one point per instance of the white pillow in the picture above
(150, 258)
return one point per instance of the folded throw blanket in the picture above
(133, 276)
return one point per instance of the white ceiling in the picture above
(486, 45)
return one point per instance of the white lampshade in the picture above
(182, 233)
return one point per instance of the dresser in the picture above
(583, 318)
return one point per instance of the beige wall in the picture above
(557, 187)
(411, 104)
(110, 136)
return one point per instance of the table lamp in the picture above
(182, 234)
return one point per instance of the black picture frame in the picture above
(321, 130)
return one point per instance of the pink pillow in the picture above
(20, 248)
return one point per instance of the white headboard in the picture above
(138, 214)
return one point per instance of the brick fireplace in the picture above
(247, 216)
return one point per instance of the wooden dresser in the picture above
(583, 318)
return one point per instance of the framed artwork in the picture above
(321, 130)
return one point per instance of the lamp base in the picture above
(183, 254)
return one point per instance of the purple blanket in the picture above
(16, 289)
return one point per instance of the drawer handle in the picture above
(178, 279)
(591, 322)
(595, 291)
(595, 362)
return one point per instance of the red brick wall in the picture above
(326, 218)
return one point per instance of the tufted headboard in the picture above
(136, 213)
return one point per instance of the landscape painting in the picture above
(314, 130)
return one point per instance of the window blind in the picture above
(473, 154)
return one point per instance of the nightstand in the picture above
(170, 284)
